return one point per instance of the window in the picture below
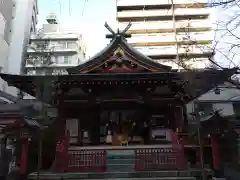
(31, 72)
(42, 45)
(71, 45)
(59, 71)
(62, 44)
(66, 59)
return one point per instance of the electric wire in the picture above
(83, 9)
(69, 7)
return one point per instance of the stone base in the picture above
(161, 175)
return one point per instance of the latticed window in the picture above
(66, 60)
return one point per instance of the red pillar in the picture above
(24, 156)
(215, 153)
(198, 157)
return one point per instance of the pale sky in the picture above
(88, 16)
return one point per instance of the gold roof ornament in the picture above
(119, 52)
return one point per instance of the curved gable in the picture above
(119, 57)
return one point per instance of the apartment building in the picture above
(172, 32)
(53, 49)
(24, 20)
(3, 42)
(7, 8)
(20, 21)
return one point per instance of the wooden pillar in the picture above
(198, 157)
(95, 127)
(61, 123)
(24, 156)
(61, 120)
(179, 118)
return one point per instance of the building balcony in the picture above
(34, 66)
(165, 12)
(54, 36)
(45, 63)
(153, 2)
(47, 71)
(163, 26)
(51, 61)
(172, 50)
(170, 38)
(198, 63)
(33, 49)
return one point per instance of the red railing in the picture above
(87, 160)
(147, 158)
(161, 158)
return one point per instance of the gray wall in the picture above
(7, 8)
(21, 27)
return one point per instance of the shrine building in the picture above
(120, 100)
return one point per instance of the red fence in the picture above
(147, 158)
(87, 160)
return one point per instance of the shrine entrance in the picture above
(126, 95)
(120, 122)
(133, 122)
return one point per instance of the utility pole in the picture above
(175, 32)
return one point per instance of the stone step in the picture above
(115, 154)
(121, 175)
(120, 161)
(120, 168)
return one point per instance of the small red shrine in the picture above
(125, 94)
(22, 130)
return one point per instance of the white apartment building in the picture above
(20, 21)
(7, 8)
(169, 31)
(53, 49)
(24, 20)
(3, 42)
